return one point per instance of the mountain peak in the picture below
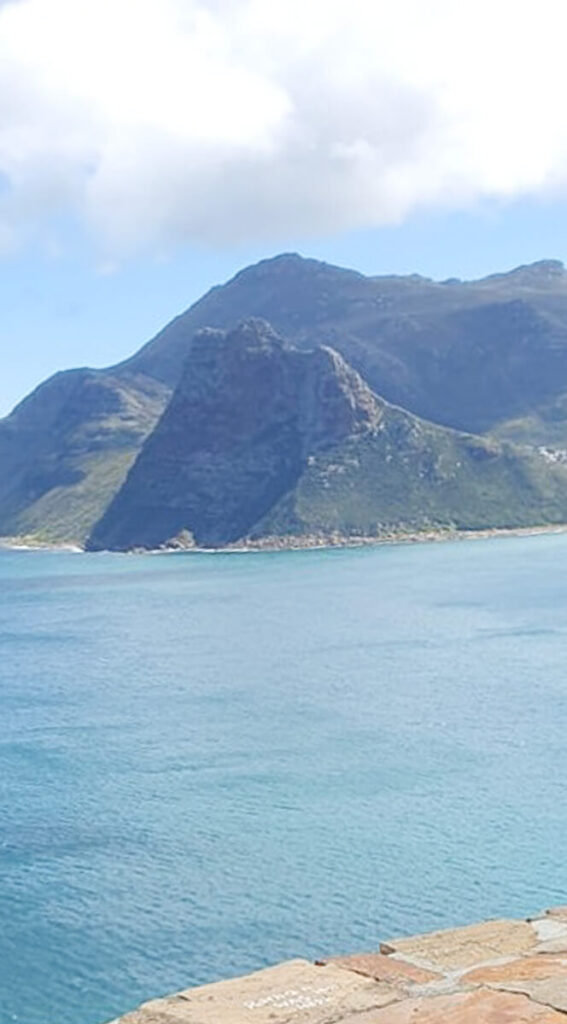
(292, 265)
(542, 273)
(545, 268)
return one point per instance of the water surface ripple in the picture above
(208, 763)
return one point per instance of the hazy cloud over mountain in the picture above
(155, 121)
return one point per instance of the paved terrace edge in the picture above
(507, 971)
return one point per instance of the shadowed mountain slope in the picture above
(66, 449)
(263, 439)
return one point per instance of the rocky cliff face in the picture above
(241, 427)
(261, 439)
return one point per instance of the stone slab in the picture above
(459, 948)
(386, 968)
(498, 972)
(529, 968)
(551, 992)
(550, 929)
(479, 1007)
(560, 912)
(294, 991)
(553, 946)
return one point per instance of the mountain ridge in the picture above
(408, 336)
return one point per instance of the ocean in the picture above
(209, 763)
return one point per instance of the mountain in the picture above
(66, 449)
(486, 357)
(481, 356)
(263, 439)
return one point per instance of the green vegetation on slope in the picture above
(411, 475)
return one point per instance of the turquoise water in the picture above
(209, 763)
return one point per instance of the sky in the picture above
(151, 148)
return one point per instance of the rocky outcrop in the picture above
(246, 418)
(263, 440)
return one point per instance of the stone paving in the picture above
(498, 972)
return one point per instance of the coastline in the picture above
(32, 544)
(308, 542)
(313, 542)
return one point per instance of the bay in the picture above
(213, 762)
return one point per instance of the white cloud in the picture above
(156, 121)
